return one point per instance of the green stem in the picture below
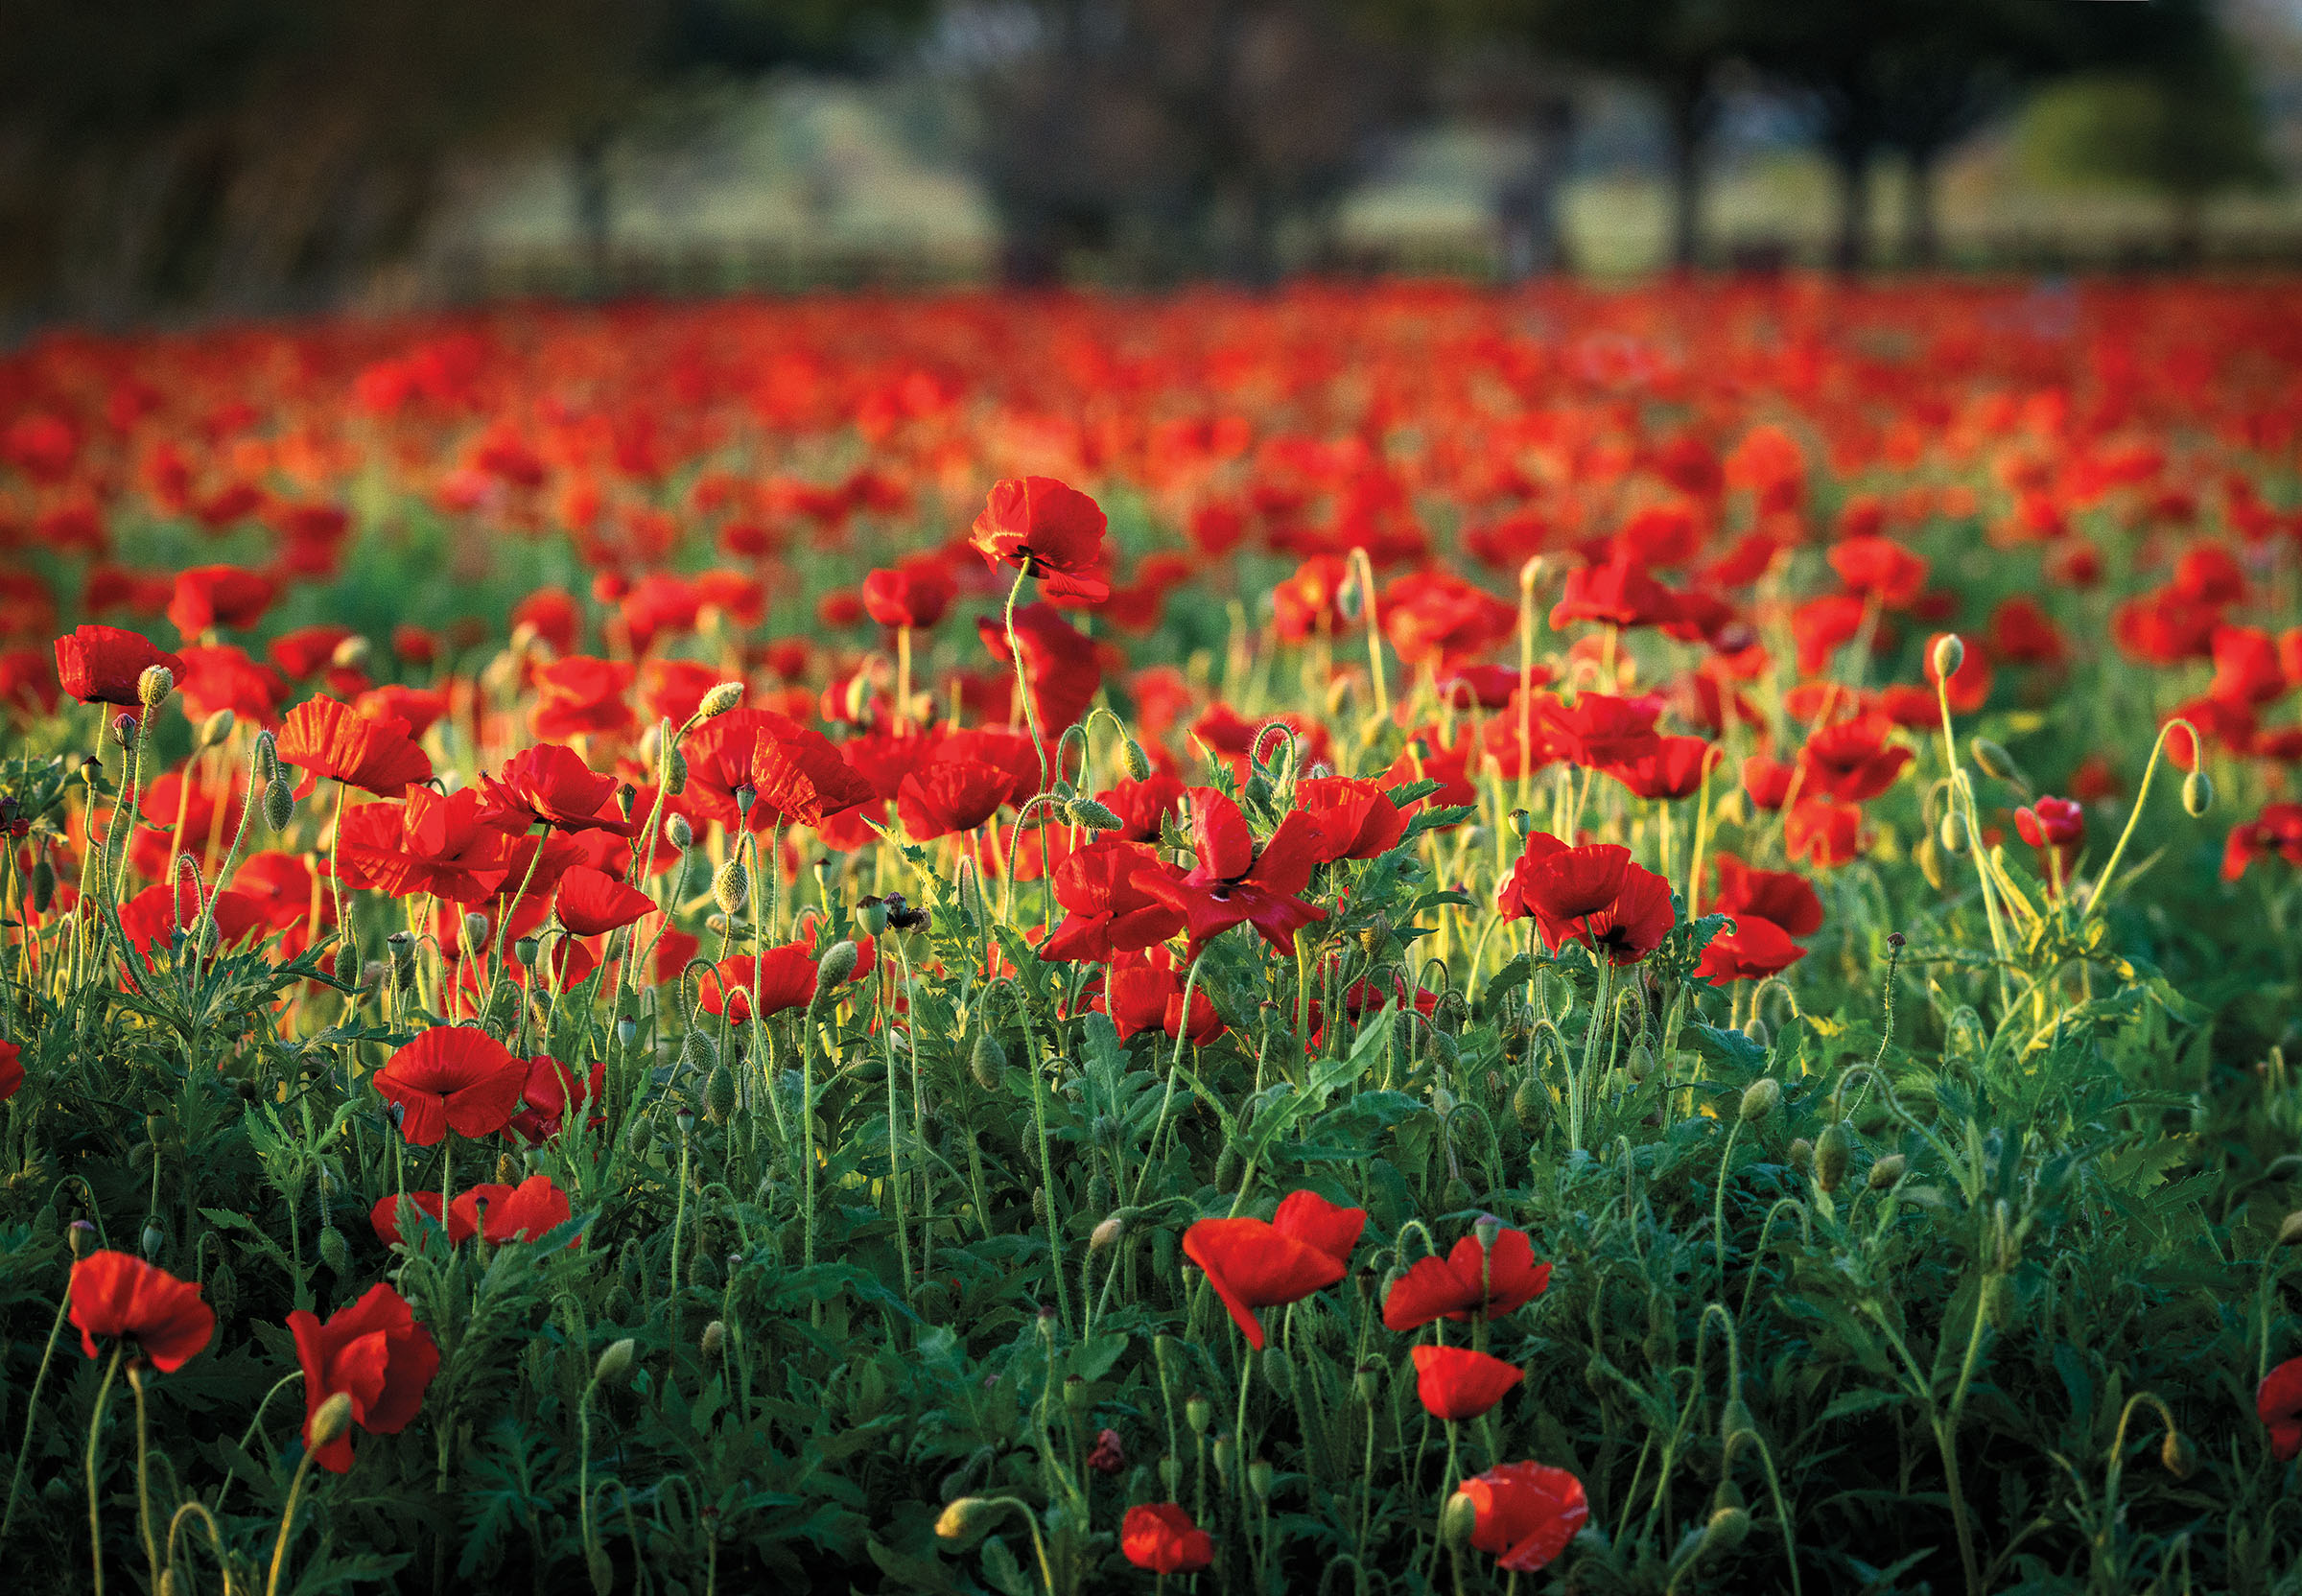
(103, 1394)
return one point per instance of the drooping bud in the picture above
(1755, 1028)
(475, 933)
(214, 730)
(1139, 763)
(958, 1520)
(721, 699)
(1953, 833)
(1887, 1171)
(2197, 794)
(1831, 1153)
(1728, 1526)
(989, 1062)
(1802, 1154)
(154, 684)
(1095, 816)
(1995, 762)
(1108, 1232)
(731, 887)
(2290, 1228)
(2177, 1456)
(1949, 654)
(351, 654)
(1457, 1520)
(715, 1338)
(832, 970)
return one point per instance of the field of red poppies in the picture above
(1386, 939)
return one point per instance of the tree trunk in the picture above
(1921, 220)
(1852, 251)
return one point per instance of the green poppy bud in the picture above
(2197, 794)
(1949, 654)
(214, 730)
(1831, 1154)
(1887, 1171)
(681, 833)
(333, 1420)
(832, 971)
(1995, 762)
(731, 887)
(154, 684)
(721, 699)
(279, 804)
(1139, 765)
(1760, 1099)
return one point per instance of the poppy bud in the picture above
(1760, 1099)
(1108, 1232)
(332, 1420)
(2290, 1228)
(715, 1338)
(1225, 1453)
(731, 887)
(1953, 833)
(832, 971)
(214, 730)
(334, 1249)
(351, 654)
(2176, 1454)
(1729, 1525)
(1259, 1478)
(2197, 794)
(1995, 762)
(1278, 1370)
(1095, 816)
(124, 727)
(1949, 654)
(1831, 1154)
(1887, 1171)
(1197, 1414)
(1757, 1030)
(475, 933)
(681, 833)
(989, 1062)
(154, 684)
(1139, 763)
(674, 772)
(722, 697)
(1641, 1063)
(279, 804)
(1527, 1106)
(1930, 861)
(43, 885)
(152, 1240)
(1802, 1154)
(719, 1094)
(1170, 1475)
(347, 963)
(81, 1237)
(961, 1517)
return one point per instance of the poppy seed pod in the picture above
(1949, 654)
(1887, 1171)
(731, 887)
(2197, 794)
(1760, 1099)
(525, 949)
(721, 699)
(333, 1420)
(154, 684)
(215, 729)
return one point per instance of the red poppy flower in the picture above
(1822, 832)
(1054, 532)
(580, 695)
(1354, 819)
(224, 678)
(550, 1090)
(1106, 912)
(1456, 1383)
(384, 1217)
(1880, 568)
(1304, 602)
(1061, 667)
(324, 737)
(2276, 829)
(211, 596)
(1233, 882)
(914, 593)
(100, 665)
(155, 915)
(1159, 1536)
(1671, 768)
(2051, 823)
(1593, 895)
(501, 1213)
(372, 1352)
(785, 974)
(306, 649)
(12, 1070)
(952, 795)
(1619, 593)
(1595, 731)
(1767, 781)
(444, 846)
(552, 784)
(282, 886)
(1525, 1513)
(1783, 896)
(451, 1078)
(2278, 1400)
(1751, 950)
(1305, 1248)
(592, 901)
(1143, 992)
(117, 1294)
(1141, 806)
(799, 775)
(1470, 1279)
(2022, 633)
(1851, 761)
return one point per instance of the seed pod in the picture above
(154, 684)
(988, 1064)
(721, 699)
(1197, 1414)
(1225, 1457)
(731, 887)
(1831, 1154)
(2197, 794)
(525, 949)
(279, 804)
(1949, 654)
(1887, 1171)
(153, 1240)
(1760, 1099)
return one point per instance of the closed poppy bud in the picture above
(681, 833)
(1887, 1171)
(1760, 1099)
(334, 1249)
(715, 1338)
(719, 1094)
(2290, 1228)
(124, 729)
(838, 964)
(1995, 762)
(1226, 1454)
(154, 684)
(1139, 763)
(725, 696)
(475, 933)
(1198, 1414)
(960, 1519)
(347, 963)
(1757, 1030)
(1106, 1232)
(1728, 1526)
(279, 804)
(2176, 1454)
(332, 1420)
(215, 729)
(1095, 816)
(1953, 833)
(615, 1363)
(674, 772)
(152, 1240)
(1949, 654)
(1802, 1154)
(1830, 1156)
(1259, 1477)
(731, 887)
(2197, 794)
(43, 885)
(988, 1063)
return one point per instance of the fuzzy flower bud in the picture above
(1139, 763)
(615, 1363)
(2197, 794)
(681, 833)
(832, 971)
(1949, 654)
(332, 1420)
(725, 696)
(1887, 1171)
(214, 729)
(1760, 1099)
(1095, 816)
(731, 887)
(154, 684)
(279, 804)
